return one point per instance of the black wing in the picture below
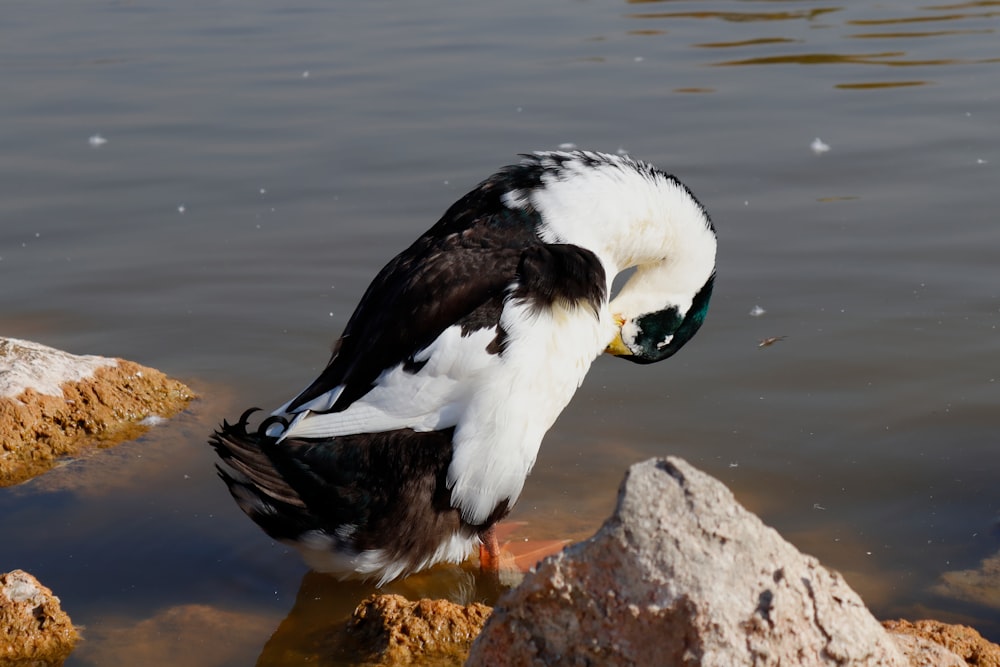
(456, 273)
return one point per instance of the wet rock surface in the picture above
(34, 630)
(961, 640)
(391, 630)
(681, 574)
(53, 404)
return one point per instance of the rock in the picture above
(961, 640)
(53, 403)
(34, 630)
(681, 574)
(391, 630)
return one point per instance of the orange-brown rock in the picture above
(34, 630)
(391, 630)
(959, 639)
(53, 404)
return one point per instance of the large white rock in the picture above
(681, 574)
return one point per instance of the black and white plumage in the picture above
(418, 435)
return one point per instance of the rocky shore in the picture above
(54, 404)
(680, 574)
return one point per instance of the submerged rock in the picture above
(52, 404)
(34, 630)
(681, 574)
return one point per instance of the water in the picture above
(261, 163)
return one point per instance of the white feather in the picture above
(628, 218)
(547, 356)
(431, 399)
(319, 552)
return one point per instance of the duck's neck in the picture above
(633, 220)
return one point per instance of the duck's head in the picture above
(632, 216)
(664, 303)
(657, 335)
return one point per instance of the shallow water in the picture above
(260, 164)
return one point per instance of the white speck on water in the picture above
(746, 202)
(621, 151)
(982, 161)
(817, 506)
(182, 209)
(445, 182)
(152, 420)
(818, 146)
(757, 311)
(567, 146)
(97, 141)
(734, 464)
(263, 191)
(305, 74)
(520, 109)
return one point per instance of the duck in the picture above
(418, 435)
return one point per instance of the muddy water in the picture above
(207, 188)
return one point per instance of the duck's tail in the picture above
(369, 505)
(257, 478)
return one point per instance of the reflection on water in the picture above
(735, 17)
(747, 42)
(309, 145)
(880, 84)
(840, 20)
(191, 634)
(915, 35)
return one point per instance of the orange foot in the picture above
(516, 554)
(489, 552)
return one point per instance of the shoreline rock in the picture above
(961, 640)
(34, 630)
(681, 574)
(55, 404)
